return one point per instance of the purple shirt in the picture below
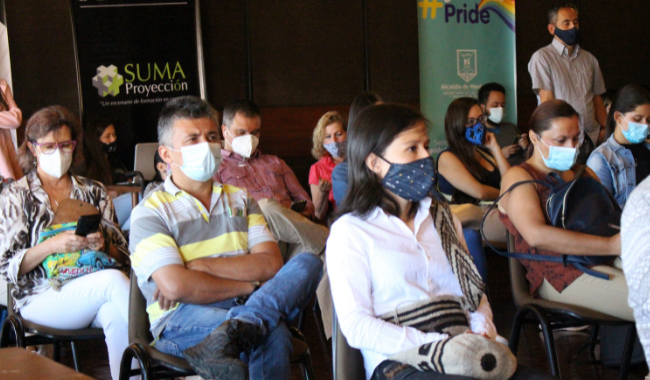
(264, 176)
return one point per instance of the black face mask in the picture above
(569, 37)
(109, 148)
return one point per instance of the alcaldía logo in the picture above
(107, 81)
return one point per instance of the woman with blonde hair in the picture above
(329, 147)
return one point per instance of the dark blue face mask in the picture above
(569, 37)
(476, 134)
(412, 181)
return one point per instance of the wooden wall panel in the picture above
(224, 48)
(42, 55)
(306, 53)
(394, 51)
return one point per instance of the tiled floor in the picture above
(531, 348)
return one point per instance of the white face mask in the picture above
(244, 145)
(496, 115)
(200, 161)
(55, 164)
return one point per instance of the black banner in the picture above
(133, 56)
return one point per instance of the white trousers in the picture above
(99, 299)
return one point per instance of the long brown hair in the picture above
(42, 122)
(455, 121)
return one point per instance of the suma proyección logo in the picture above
(143, 78)
(107, 81)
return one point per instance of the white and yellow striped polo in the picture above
(172, 227)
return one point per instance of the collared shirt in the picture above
(171, 227)
(263, 176)
(614, 165)
(635, 252)
(26, 211)
(377, 265)
(575, 79)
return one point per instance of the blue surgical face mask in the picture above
(336, 149)
(636, 132)
(476, 134)
(412, 181)
(559, 158)
(200, 161)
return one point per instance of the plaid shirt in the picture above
(264, 177)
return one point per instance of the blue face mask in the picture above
(336, 149)
(636, 132)
(559, 158)
(569, 37)
(412, 181)
(476, 134)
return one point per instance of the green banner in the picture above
(463, 45)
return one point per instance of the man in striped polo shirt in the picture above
(201, 251)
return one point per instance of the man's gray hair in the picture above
(184, 107)
(552, 13)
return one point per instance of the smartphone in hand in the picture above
(298, 206)
(88, 224)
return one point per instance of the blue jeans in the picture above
(280, 299)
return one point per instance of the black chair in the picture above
(347, 362)
(156, 365)
(43, 334)
(555, 315)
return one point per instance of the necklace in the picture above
(56, 202)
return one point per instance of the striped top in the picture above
(171, 227)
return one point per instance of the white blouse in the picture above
(378, 265)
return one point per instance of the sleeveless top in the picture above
(558, 275)
(493, 179)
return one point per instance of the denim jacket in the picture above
(615, 167)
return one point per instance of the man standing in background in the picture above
(562, 70)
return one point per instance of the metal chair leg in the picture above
(57, 351)
(75, 357)
(307, 366)
(593, 341)
(546, 330)
(135, 351)
(630, 339)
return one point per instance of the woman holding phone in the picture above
(471, 168)
(99, 299)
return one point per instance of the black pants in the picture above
(390, 370)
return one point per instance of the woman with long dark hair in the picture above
(555, 137)
(340, 172)
(471, 168)
(623, 160)
(99, 148)
(390, 252)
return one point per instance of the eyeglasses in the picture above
(473, 121)
(50, 147)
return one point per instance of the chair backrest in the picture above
(347, 361)
(144, 154)
(138, 316)
(518, 281)
(10, 299)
